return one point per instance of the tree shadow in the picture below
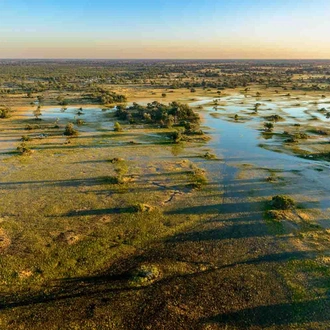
(235, 231)
(276, 315)
(223, 208)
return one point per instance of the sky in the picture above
(165, 29)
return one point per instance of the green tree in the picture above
(37, 112)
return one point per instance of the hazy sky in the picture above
(165, 29)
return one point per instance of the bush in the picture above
(198, 177)
(282, 202)
(5, 113)
(269, 127)
(30, 127)
(25, 138)
(208, 155)
(116, 160)
(80, 122)
(23, 149)
(144, 275)
(274, 118)
(140, 207)
(70, 131)
(176, 136)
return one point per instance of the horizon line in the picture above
(166, 59)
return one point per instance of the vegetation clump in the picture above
(5, 112)
(271, 178)
(70, 130)
(208, 155)
(37, 113)
(24, 150)
(198, 177)
(282, 202)
(176, 136)
(157, 113)
(29, 127)
(145, 275)
(293, 138)
(25, 138)
(274, 118)
(116, 160)
(80, 122)
(256, 107)
(121, 170)
(140, 208)
(103, 96)
(117, 127)
(269, 127)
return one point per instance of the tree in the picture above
(256, 107)
(37, 112)
(269, 127)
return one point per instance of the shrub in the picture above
(198, 176)
(208, 155)
(70, 130)
(23, 149)
(282, 202)
(301, 136)
(269, 127)
(31, 127)
(274, 118)
(140, 207)
(176, 136)
(25, 138)
(5, 113)
(116, 160)
(80, 122)
(144, 275)
(117, 127)
(271, 178)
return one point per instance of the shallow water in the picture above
(237, 143)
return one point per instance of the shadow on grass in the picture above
(276, 315)
(115, 210)
(117, 279)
